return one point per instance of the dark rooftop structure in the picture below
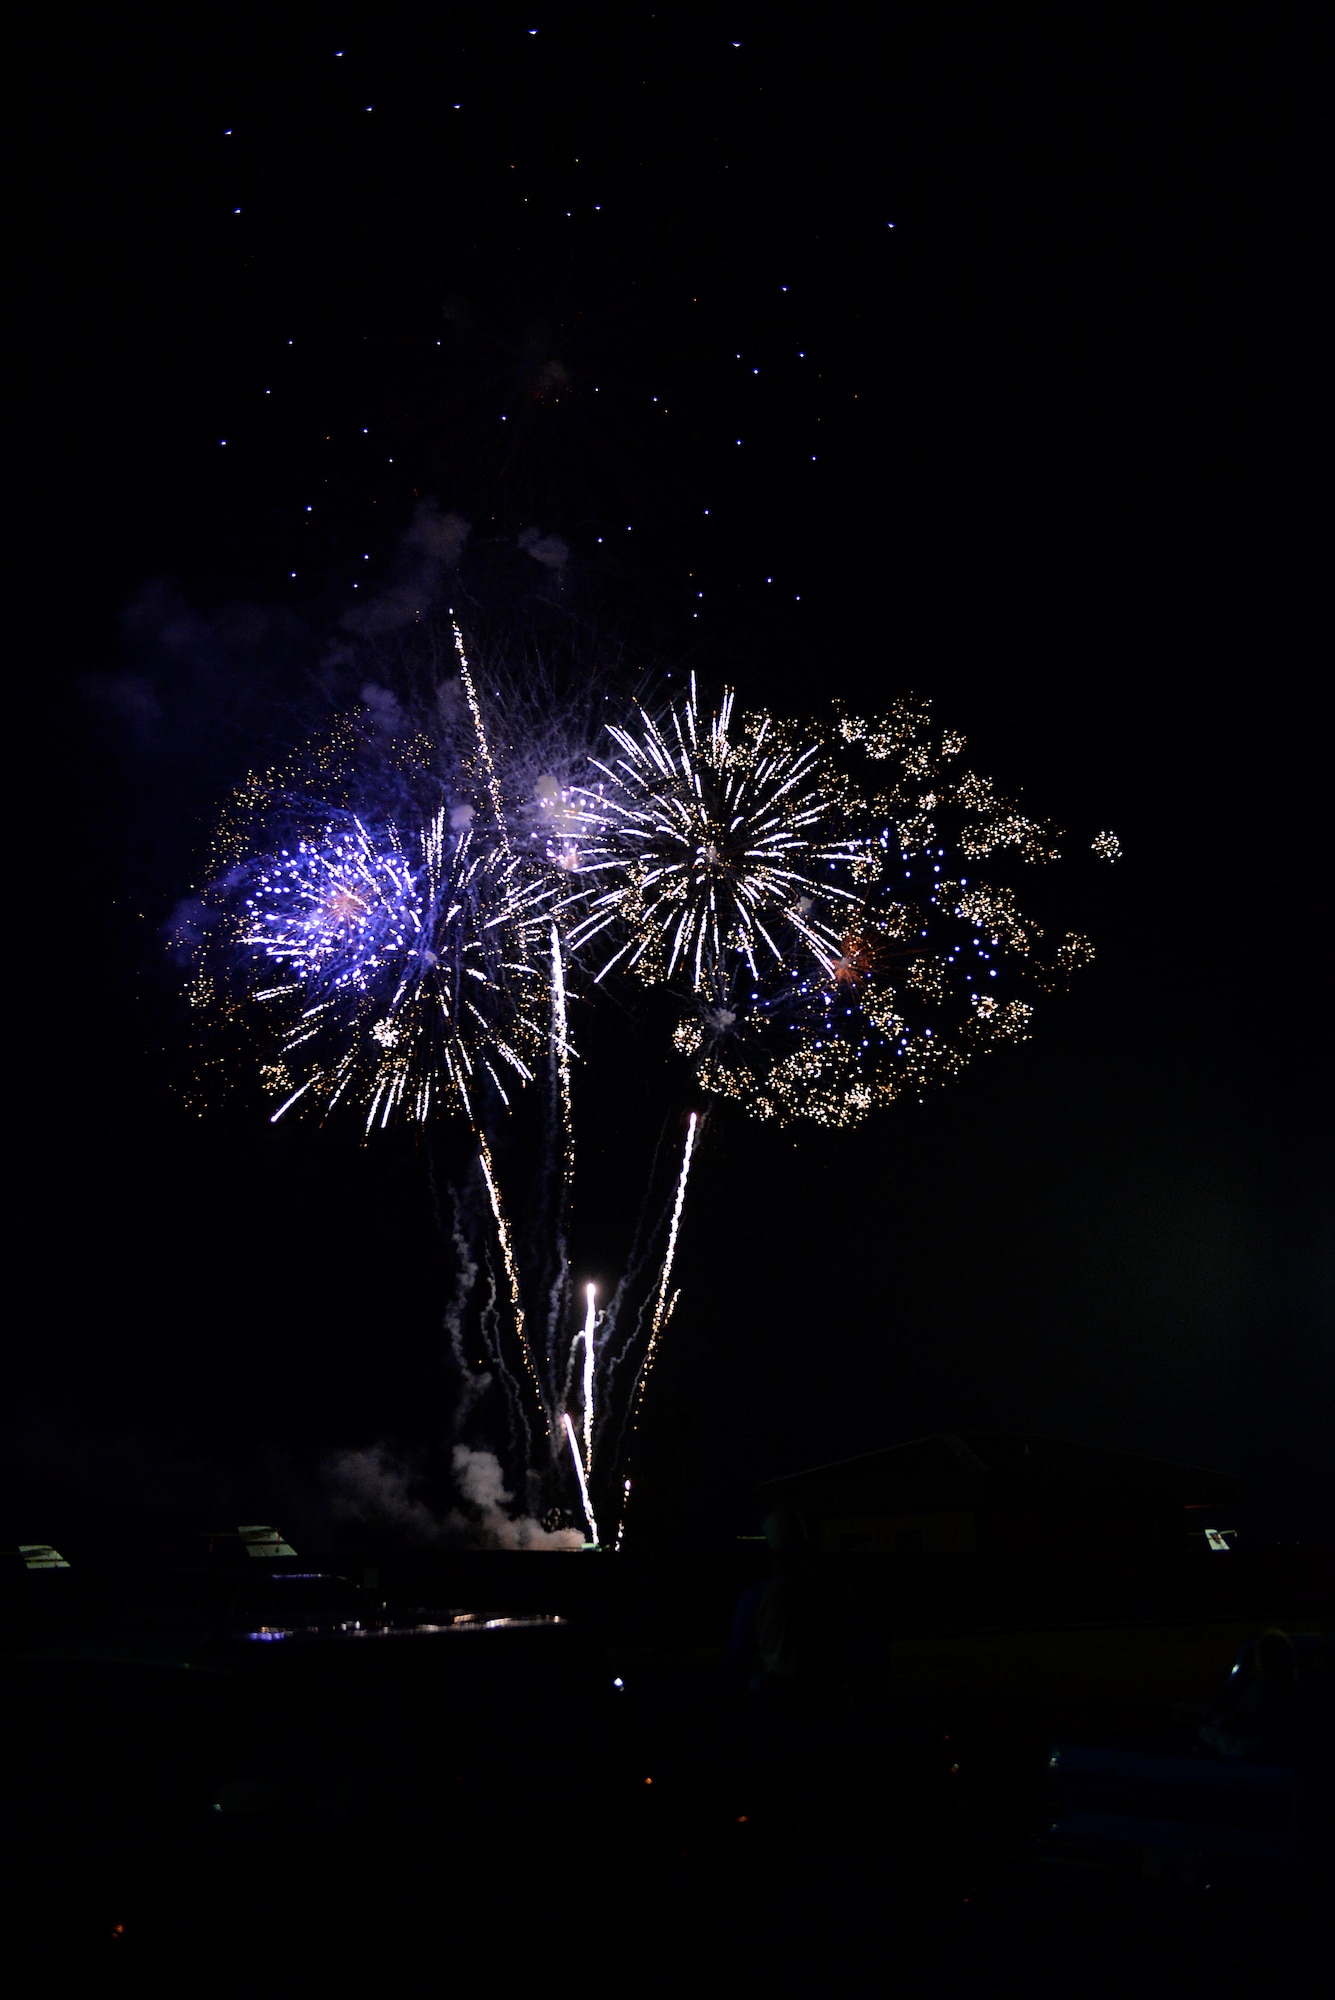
(989, 1493)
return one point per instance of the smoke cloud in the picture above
(375, 1486)
(432, 545)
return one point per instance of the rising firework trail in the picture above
(484, 748)
(579, 1474)
(589, 1320)
(664, 1301)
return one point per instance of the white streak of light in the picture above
(579, 1474)
(292, 1100)
(662, 1308)
(663, 1304)
(588, 1381)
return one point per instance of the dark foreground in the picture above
(394, 1789)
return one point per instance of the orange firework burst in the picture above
(857, 959)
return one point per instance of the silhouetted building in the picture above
(1020, 1496)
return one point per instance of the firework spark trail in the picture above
(628, 1285)
(559, 1166)
(663, 1305)
(562, 1052)
(588, 1379)
(579, 1474)
(512, 1273)
(621, 1524)
(484, 750)
(662, 1310)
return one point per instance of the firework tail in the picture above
(588, 1380)
(562, 1119)
(665, 1300)
(484, 749)
(579, 1474)
(662, 1305)
(511, 1272)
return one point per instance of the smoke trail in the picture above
(490, 1331)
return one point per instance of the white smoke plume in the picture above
(376, 1486)
(482, 1484)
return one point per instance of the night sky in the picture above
(984, 367)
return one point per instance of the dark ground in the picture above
(514, 1813)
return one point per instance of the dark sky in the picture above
(985, 367)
